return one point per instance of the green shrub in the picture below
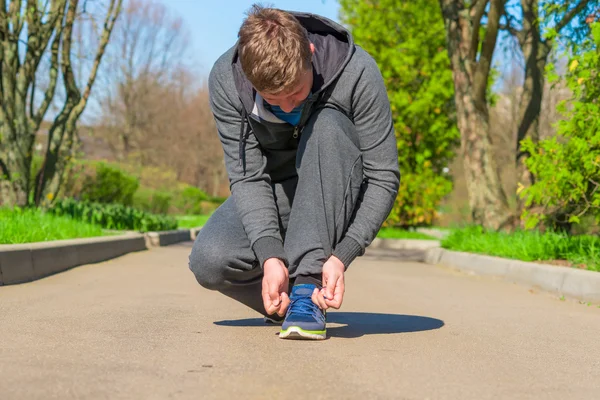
(111, 185)
(567, 167)
(188, 200)
(418, 199)
(113, 216)
(154, 201)
(101, 182)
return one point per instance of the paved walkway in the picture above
(139, 327)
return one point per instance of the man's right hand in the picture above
(275, 287)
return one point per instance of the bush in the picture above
(112, 216)
(101, 182)
(154, 201)
(567, 167)
(418, 199)
(189, 200)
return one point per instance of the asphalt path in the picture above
(140, 327)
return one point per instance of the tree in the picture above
(471, 47)
(406, 38)
(567, 167)
(149, 46)
(154, 109)
(29, 31)
(536, 25)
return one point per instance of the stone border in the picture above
(20, 263)
(165, 238)
(562, 281)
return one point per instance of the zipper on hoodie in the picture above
(298, 128)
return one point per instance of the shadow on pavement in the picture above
(357, 324)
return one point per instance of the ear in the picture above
(312, 48)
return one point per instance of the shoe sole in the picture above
(295, 332)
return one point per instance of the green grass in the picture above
(191, 221)
(33, 225)
(395, 233)
(527, 246)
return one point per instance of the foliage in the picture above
(418, 199)
(154, 201)
(110, 185)
(29, 225)
(113, 216)
(416, 70)
(191, 200)
(395, 233)
(192, 221)
(527, 245)
(567, 167)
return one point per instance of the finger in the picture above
(285, 303)
(274, 293)
(331, 286)
(267, 303)
(314, 299)
(265, 297)
(317, 298)
(335, 303)
(338, 296)
(321, 300)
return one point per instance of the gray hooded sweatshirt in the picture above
(260, 150)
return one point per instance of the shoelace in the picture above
(305, 306)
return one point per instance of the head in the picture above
(276, 56)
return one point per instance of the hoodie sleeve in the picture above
(251, 190)
(375, 127)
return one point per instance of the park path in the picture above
(140, 327)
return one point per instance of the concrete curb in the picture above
(165, 238)
(20, 263)
(562, 281)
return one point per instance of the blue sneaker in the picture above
(304, 319)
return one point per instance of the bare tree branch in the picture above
(109, 23)
(53, 69)
(566, 19)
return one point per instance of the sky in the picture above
(213, 25)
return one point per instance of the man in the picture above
(308, 137)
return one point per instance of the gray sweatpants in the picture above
(314, 211)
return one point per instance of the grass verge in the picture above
(34, 225)
(395, 233)
(191, 221)
(578, 251)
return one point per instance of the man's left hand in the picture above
(332, 293)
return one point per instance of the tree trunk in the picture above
(487, 200)
(489, 206)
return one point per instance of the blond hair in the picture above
(274, 49)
